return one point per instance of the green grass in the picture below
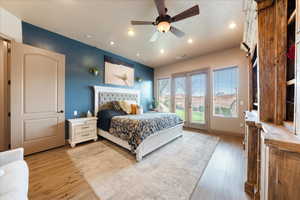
(197, 117)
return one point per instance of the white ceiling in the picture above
(109, 20)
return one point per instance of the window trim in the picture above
(237, 93)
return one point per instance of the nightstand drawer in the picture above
(83, 128)
(84, 135)
(86, 123)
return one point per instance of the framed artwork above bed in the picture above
(118, 74)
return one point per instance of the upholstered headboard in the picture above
(107, 94)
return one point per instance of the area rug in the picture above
(169, 173)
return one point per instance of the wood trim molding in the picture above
(272, 60)
(281, 60)
(6, 38)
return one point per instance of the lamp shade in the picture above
(164, 26)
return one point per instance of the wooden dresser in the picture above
(280, 163)
(272, 160)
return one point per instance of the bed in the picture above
(157, 138)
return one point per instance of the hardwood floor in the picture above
(54, 176)
(223, 178)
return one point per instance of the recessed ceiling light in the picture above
(88, 36)
(162, 51)
(190, 40)
(232, 25)
(138, 54)
(131, 32)
(112, 43)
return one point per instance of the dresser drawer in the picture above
(78, 130)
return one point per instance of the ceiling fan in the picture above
(163, 21)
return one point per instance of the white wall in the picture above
(10, 25)
(230, 57)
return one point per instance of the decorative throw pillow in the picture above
(126, 107)
(106, 106)
(139, 110)
(116, 106)
(133, 109)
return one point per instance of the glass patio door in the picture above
(189, 98)
(179, 97)
(197, 100)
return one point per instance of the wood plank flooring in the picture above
(53, 175)
(224, 176)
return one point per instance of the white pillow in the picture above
(140, 111)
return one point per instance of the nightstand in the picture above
(82, 129)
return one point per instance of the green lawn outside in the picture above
(197, 117)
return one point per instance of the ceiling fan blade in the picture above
(161, 7)
(177, 32)
(155, 36)
(142, 23)
(186, 14)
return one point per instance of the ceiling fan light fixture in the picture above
(163, 26)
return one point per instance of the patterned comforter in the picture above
(136, 128)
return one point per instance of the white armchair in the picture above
(13, 175)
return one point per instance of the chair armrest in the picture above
(7, 157)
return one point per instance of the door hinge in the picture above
(9, 50)
(9, 114)
(9, 82)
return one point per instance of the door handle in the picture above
(60, 111)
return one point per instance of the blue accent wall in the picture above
(79, 58)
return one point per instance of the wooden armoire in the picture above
(272, 138)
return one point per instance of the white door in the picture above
(37, 98)
(189, 98)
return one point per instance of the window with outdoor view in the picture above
(164, 94)
(225, 92)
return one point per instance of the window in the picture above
(225, 91)
(164, 94)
